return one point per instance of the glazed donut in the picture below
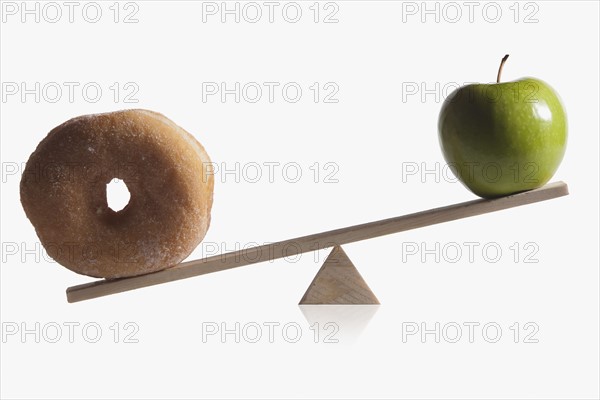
(168, 175)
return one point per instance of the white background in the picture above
(372, 134)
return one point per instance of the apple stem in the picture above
(500, 69)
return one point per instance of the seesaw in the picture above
(338, 281)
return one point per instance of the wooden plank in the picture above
(314, 242)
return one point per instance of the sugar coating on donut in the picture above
(167, 172)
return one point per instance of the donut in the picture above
(167, 172)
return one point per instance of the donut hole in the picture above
(117, 194)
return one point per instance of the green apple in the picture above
(503, 138)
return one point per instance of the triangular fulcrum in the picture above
(338, 282)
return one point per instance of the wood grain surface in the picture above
(316, 241)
